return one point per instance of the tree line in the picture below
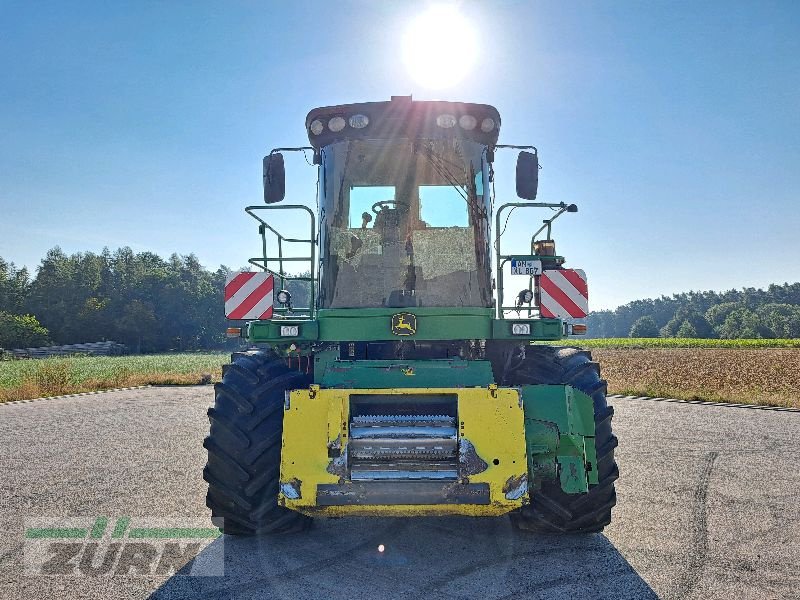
(153, 304)
(747, 314)
(140, 299)
(146, 302)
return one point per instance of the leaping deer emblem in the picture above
(404, 324)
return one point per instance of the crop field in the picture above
(768, 376)
(24, 379)
(680, 343)
(742, 371)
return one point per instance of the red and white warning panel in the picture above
(564, 294)
(249, 295)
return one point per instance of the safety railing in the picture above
(501, 259)
(266, 262)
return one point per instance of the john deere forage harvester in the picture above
(415, 380)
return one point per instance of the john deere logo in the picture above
(404, 324)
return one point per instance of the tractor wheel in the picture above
(551, 510)
(244, 446)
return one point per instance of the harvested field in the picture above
(767, 376)
(679, 343)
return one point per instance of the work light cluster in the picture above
(466, 122)
(445, 121)
(336, 124)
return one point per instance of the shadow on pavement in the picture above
(454, 557)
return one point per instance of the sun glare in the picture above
(439, 47)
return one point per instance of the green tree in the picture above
(717, 314)
(702, 328)
(14, 284)
(138, 327)
(644, 327)
(686, 330)
(21, 331)
(742, 323)
(779, 320)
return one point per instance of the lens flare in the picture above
(439, 47)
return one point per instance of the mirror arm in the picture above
(297, 149)
(317, 156)
(535, 151)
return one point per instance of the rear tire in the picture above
(552, 510)
(244, 446)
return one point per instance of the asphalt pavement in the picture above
(708, 508)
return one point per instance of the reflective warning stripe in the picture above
(249, 295)
(564, 294)
(235, 282)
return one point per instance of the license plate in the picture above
(526, 267)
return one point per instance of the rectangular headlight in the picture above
(290, 330)
(521, 328)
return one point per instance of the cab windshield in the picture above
(404, 223)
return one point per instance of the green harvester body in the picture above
(421, 392)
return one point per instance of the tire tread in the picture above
(551, 509)
(244, 446)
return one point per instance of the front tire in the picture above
(552, 510)
(244, 446)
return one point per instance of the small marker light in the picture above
(446, 121)
(487, 125)
(358, 121)
(467, 122)
(336, 124)
(579, 329)
(316, 127)
(233, 332)
(381, 548)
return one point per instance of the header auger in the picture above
(410, 384)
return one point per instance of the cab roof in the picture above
(402, 117)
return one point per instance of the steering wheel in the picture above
(381, 205)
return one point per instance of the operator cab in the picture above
(405, 203)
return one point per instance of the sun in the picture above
(439, 47)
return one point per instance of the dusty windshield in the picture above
(404, 224)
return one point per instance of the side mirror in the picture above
(527, 175)
(274, 178)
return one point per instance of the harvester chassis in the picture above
(411, 379)
(245, 442)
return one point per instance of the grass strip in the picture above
(26, 379)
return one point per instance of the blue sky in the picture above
(675, 126)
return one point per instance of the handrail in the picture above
(264, 261)
(501, 259)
